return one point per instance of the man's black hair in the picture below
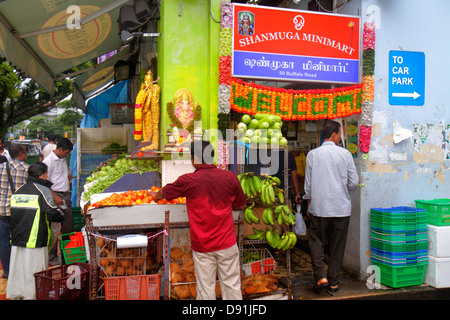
(65, 144)
(329, 127)
(203, 150)
(16, 149)
(37, 169)
(51, 137)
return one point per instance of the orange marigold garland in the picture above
(293, 105)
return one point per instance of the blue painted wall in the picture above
(396, 174)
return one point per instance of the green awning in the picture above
(41, 39)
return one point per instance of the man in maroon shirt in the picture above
(211, 195)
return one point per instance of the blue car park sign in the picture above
(406, 78)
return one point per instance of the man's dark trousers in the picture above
(328, 231)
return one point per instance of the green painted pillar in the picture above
(188, 56)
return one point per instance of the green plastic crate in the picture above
(438, 211)
(401, 276)
(72, 255)
(394, 228)
(78, 219)
(399, 236)
(400, 246)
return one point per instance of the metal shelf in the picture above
(241, 160)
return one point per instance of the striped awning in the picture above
(47, 37)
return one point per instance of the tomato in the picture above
(162, 201)
(140, 154)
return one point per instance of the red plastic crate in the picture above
(143, 287)
(57, 284)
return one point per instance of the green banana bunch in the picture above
(257, 234)
(287, 241)
(249, 215)
(267, 216)
(272, 179)
(251, 184)
(250, 256)
(267, 193)
(280, 195)
(284, 215)
(273, 238)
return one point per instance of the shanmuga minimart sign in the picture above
(294, 45)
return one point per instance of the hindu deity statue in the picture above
(184, 110)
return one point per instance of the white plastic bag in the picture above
(300, 226)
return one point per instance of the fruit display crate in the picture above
(114, 262)
(400, 276)
(257, 260)
(73, 254)
(66, 282)
(141, 287)
(438, 211)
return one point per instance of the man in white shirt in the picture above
(330, 176)
(59, 176)
(50, 147)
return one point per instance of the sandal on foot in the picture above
(334, 289)
(317, 287)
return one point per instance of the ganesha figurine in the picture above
(183, 110)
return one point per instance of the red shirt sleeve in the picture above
(176, 189)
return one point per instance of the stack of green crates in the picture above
(438, 211)
(399, 246)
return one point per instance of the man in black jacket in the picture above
(32, 210)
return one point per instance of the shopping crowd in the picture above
(35, 208)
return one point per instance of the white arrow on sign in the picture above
(414, 95)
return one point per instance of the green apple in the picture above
(253, 124)
(276, 134)
(242, 126)
(249, 133)
(263, 140)
(264, 125)
(245, 139)
(283, 141)
(246, 119)
(254, 140)
(274, 141)
(270, 119)
(276, 125)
